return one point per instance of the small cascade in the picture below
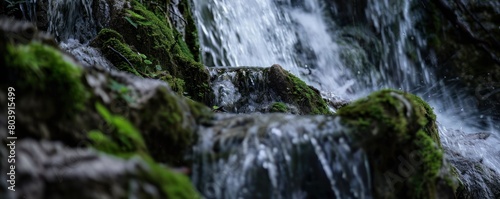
(476, 158)
(225, 43)
(74, 25)
(85, 54)
(28, 8)
(71, 20)
(279, 156)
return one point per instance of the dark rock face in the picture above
(465, 38)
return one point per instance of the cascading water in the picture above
(74, 27)
(278, 156)
(379, 48)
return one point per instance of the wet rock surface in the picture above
(51, 170)
(252, 89)
(478, 174)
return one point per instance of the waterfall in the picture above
(348, 49)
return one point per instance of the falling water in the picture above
(74, 25)
(379, 48)
(279, 156)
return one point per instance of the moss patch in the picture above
(127, 142)
(295, 91)
(398, 132)
(278, 107)
(43, 70)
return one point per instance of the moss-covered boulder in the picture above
(398, 132)
(143, 41)
(295, 91)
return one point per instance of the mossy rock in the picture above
(126, 142)
(48, 90)
(295, 91)
(398, 132)
(141, 31)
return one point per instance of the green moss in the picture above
(124, 139)
(167, 123)
(106, 34)
(43, 70)
(198, 89)
(294, 91)
(162, 45)
(398, 132)
(173, 185)
(176, 84)
(127, 142)
(161, 40)
(306, 96)
(279, 107)
(191, 32)
(121, 55)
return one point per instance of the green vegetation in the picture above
(408, 163)
(156, 50)
(292, 90)
(124, 141)
(279, 107)
(44, 71)
(127, 142)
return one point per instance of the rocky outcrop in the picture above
(273, 89)
(465, 38)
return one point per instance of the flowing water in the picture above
(346, 50)
(279, 156)
(74, 24)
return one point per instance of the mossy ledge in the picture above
(145, 44)
(398, 132)
(295, 91)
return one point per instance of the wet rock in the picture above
(51, 170)
(475, 158)
(395, 131)
(252, 89)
